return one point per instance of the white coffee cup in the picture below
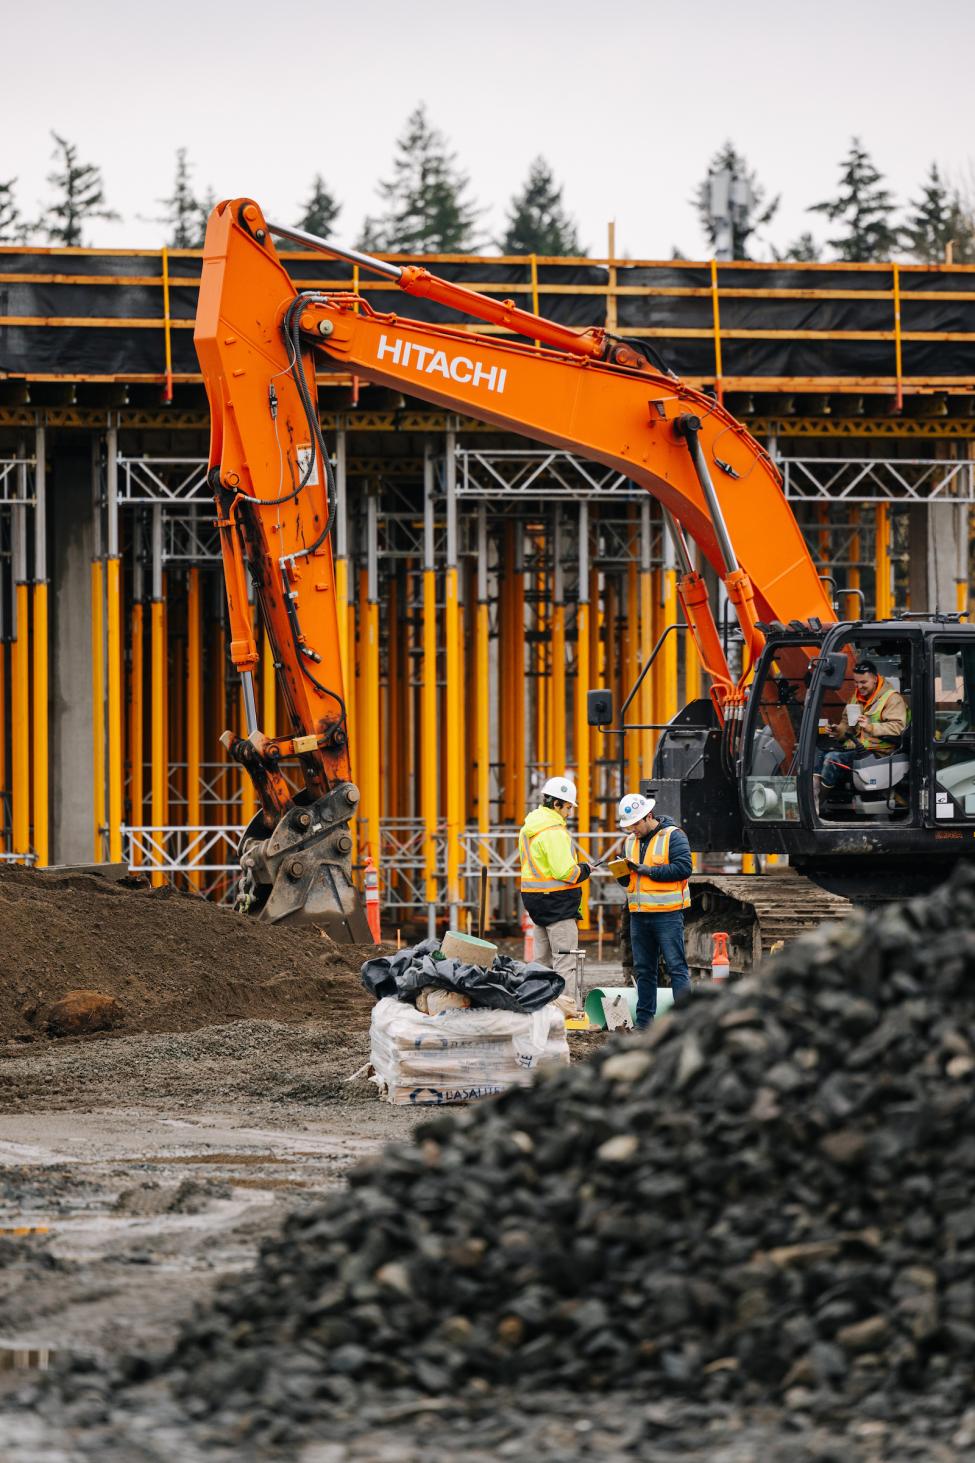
(853, 713)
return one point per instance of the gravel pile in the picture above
(771, 1198)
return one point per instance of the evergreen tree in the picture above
(938, 218)
(863, 208)
(12, 229)
(537, 222)
(427, 210)
(321, 210)
(184, 215)
(746, 217)
(80, 196)
(804, 250)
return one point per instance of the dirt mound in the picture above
(174, 962)
(769, 1199)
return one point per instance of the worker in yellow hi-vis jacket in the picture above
(552, 878)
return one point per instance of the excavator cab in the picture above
(855, 806)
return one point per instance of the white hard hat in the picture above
(561, 788)
(633, 807)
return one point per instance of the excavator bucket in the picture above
(301, 873)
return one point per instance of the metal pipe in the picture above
(688, 427)
(651, 690)
(482, 687)
(250, 705)
(194, 704)
(582, 687)
(338, 251)
(136, 689)
(559, 711)
(98, 656)
(371, 723)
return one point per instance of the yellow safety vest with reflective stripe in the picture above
(548, 865)
(870, 714)
(653, 896)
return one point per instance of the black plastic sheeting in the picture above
(139, 350)
(508, 986)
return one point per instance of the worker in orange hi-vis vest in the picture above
(659, 859)
(552, 878)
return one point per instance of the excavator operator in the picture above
(871, 726)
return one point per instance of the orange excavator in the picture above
(739, 768)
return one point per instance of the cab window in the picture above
(954, 731)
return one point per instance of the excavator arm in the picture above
(581, 391)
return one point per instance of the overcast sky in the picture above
(626, 99)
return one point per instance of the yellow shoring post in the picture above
(517, 677)
(98, 703)
(20, 710)
(113, 660)
(482, 685)
(559, 713)
(693, 680)
(506, 713)
(854, 608)
(159, 730)
(823, 537)
(371, 700)
(392, 759)
(882, 592)
(167, 329)
(452, 673)
(533, 265)
(633, 629)
(136, 723)
(716, 316)
(3, 738)
(581, 729)
(542, 754)
(194, 704)
(647, 699)
(345, 613)
(428, 696)
(668, 704)
(269, 683)
(898, 354)
(39, 645)
(611, 277)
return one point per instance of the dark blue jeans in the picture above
(652, 935)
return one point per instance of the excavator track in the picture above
(757, 912)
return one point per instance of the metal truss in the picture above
(534, 474)
(403, 863)
(877, 480)
(17, 481)
(189, 539)
(163, 480)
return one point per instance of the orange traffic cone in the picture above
(372, 899)
(720, 960)
(528, 934)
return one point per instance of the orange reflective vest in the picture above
(653, 896)
(871, 712)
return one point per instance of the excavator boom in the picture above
(581, 391)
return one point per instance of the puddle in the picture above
(26, 1358)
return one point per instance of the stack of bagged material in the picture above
(459, 1055)
(446, 1031)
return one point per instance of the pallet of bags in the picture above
(460, 1055)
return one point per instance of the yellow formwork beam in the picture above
(98, 704)
(39, 646)
(113, 605)
(20, 718)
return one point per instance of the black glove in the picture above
(585, 872)
(624, 882)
